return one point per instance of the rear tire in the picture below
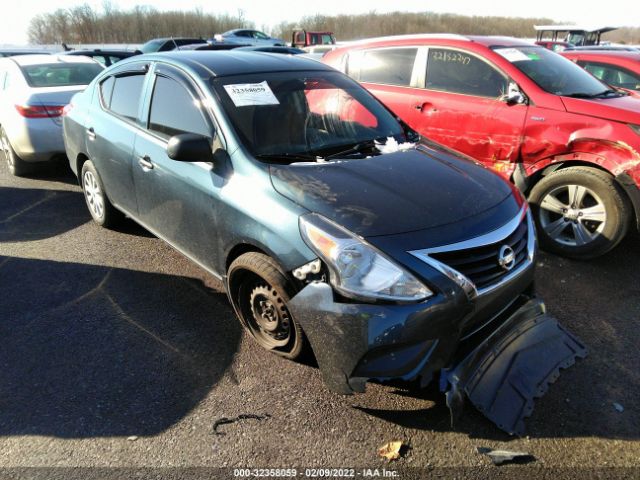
(15, 164)
(580, 212)
(100, 208)
(260, 291)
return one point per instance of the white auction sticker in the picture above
(246, 94)
(512, 54)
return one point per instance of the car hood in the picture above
(392, 193)
(620, 109)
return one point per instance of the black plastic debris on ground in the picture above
(244, 416)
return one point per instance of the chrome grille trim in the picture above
(487, 239)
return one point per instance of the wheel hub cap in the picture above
(572, 215)
(268, 315)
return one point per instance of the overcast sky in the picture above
(270, 12)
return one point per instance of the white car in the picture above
(34, 89)
(245, 36)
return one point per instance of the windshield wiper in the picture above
(602, 94)
(357, 148)
(287, 157)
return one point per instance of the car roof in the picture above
(622, 54)
(40, 59)
(233, 62)
(99, 51)
(574, 28)
(488, 41)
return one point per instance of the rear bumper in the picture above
(36, 139)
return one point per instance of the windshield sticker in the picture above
(512, 54)
(533, 56)
(247, 94)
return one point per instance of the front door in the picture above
(462, 107)
(176, 200)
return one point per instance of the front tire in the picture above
(15, 164)
(580, 212)
(260, 292)
(100, 208)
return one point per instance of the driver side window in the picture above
(175, 111)
(455, 71)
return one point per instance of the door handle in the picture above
(145, 162)
(91, 133)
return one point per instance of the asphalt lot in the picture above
(107, 335)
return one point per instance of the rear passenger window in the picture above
(126, 95)
(106, 89)
(175, 111)
(389, 66)
(458, 72)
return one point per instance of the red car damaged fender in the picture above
(563, 137)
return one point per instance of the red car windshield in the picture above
(552, 72)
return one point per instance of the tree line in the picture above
(83, 24)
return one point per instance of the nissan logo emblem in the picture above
(506, 257)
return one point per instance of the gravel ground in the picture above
(116, 351)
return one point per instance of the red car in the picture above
(618, 68)
(553, 45)
(566, 139)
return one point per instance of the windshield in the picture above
(303, 113)
(552, 72)
(152, 46)
(60, 74)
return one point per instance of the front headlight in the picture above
(635, 128)
(357, 269)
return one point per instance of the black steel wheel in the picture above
(260, 291)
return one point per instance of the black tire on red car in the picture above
(260, 290)
(580, 212)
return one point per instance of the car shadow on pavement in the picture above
(35, 214)
(88, 351)
(54, 171)
(598, 301)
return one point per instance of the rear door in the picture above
(111, 129)
(461, 106)
(390, 74)
(176, 200)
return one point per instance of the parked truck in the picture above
(304, 38)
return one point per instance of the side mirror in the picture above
(514, 96)
(190, 147)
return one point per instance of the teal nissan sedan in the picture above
(334, 227)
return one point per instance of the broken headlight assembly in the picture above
(357, 269)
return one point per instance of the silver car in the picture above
(34, 90)
(248, 37)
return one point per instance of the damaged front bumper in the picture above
(501, 367)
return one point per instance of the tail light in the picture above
(67, 108)
(40, 111)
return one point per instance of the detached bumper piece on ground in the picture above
(501, 373)
(505, 374)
